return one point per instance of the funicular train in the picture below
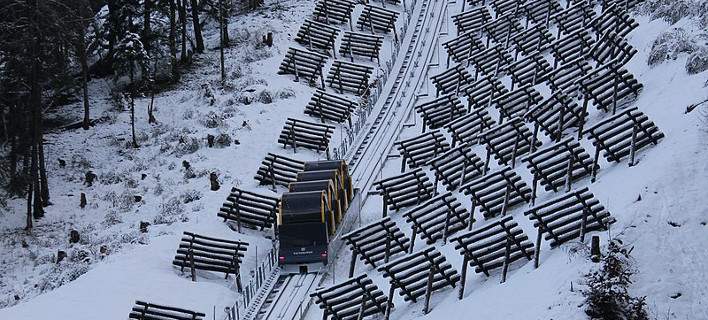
(311, 212)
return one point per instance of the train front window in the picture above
(303, 234)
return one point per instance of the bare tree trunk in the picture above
(3, 124)
(151, 116)
(225, 28)
(183, 24)
(222, 43)
(35, 106)
(43, 169)
(132, 106)
(197, 27)
(173, 40)
(81, 47)
(38, 211)
(132, 120)
(26, 170)
(147, 10)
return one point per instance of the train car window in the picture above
(303, 234)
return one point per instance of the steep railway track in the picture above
(369, 152)
(286, 298)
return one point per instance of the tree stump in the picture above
(269, 39)
(82, 203)
(214, 180)
(144, 226)
(88, 179)
(61, 255)
(74, 236)
(595, 254)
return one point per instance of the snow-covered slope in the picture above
(668, 227)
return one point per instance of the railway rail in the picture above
(286, 296)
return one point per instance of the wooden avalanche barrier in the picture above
(404, 190)
(327, 106)
(492, 61)
(622, 135)
(472, 20)
(437, 218)
(440, 111)
(568, 217)
(534, 40)
(508, 141)
(378, 19)
(555, 115)
(310, 135)
(353, 299)
(418, 150)
(496, 192)
(278, 170)
(502, 28)
(333, 11)
(150, 311)
(609, 87)
(197, 252)
(249, 209)
(456, 167)
(350, 77)
(571, 47)
(305, 64)
(557, 166)
(362, 45)
(452, 80)
(419, 274)
(467, 129)
(463, 47)
(495, 245)
(375, 243)
(317, 36)
(517, 102)
(573, 18)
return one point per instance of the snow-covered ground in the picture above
(668, 227)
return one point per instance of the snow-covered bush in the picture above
(240, 71)
(253, 54)
(244, 98)
(669, 10)
(698, 61)
(607, 294)
(212, 120)
(159, 189)
(190, 196)
(80, 162)
(110, 177)
(286, 93)
(669, 44)
(222, 140)
(672, 11)
(60, 274)
(207, 93)
(186, 144)
(265, 97)
(188, 114)
(123, 201)
(111, 218)
(170, 211)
